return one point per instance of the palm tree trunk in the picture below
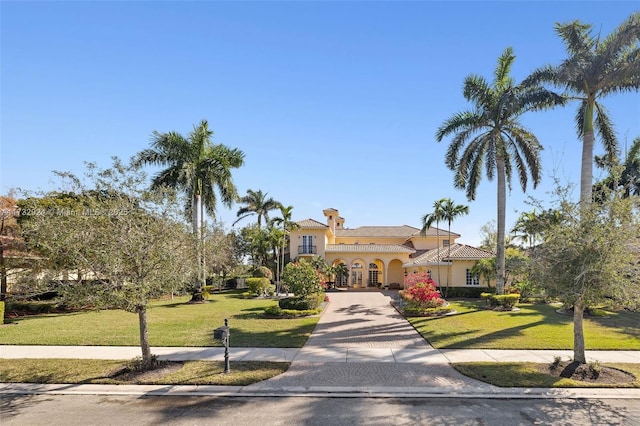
(197, 234)
(578, 333)
(144, 335)
(203, 235)
(448, 257)
(438, 254)
(586, 171)
(502, 194)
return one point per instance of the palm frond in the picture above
(474, 176)
(604, 126)
(457, 122)
(621, 38)
(503, 80)
(579, 118)
(576, 36)
(477, 90)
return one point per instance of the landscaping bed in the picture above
(540, 375)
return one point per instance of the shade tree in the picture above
(131, 245)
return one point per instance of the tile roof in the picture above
(367, 248)
(310, 223)
(404, 231)
(458, 252)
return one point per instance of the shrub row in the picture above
(276, 311)
(467, 292)
(506, 301)
(417, 311)
(311, 302)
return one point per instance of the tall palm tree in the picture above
(450, 212)
(196, 167)
(595, 68)
(427, 220)
(256, 202)
(495, 139)
(285, 219)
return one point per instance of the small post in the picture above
(227, 367)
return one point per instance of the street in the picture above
(69, 410)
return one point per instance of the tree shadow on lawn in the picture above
(481, 342)
(547, 312)
(624, 321)
(179, 304)
(16, 320)
(294, 337)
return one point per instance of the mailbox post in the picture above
(222, 333)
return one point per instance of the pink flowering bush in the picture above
(420, 292)
(419, 277)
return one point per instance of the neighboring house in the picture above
(384, 255)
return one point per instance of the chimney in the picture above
(332, 218)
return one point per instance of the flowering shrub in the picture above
(420, 277)
(420, 292)
(302, 279)
(423, 295)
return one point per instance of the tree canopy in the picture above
(131, 246)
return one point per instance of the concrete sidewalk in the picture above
(315, 354)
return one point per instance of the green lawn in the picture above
(96, 371)
(171, 323)
(533, 327)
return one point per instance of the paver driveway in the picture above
(363, 319)
(361, 340)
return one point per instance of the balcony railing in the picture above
(307, 250)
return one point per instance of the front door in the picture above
(373, 275)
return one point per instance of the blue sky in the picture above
(335, 104)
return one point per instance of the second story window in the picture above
(307, 246)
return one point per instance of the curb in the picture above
(318, 392)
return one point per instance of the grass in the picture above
(524, 374)
(171, 323)
(90, 371)
(536, 326)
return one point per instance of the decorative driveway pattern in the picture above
(363, 320)
(371, 345)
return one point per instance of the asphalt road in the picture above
(70, 410)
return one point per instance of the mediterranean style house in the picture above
(384, 255)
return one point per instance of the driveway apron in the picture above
(361, 340)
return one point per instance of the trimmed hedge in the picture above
(426, 312)
(2, 312)
(276, 311)
(467, 292)
(259, 285)
(506, 301)
(311, 302)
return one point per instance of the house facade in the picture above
(384, 255)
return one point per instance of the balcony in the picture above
(310, 250)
